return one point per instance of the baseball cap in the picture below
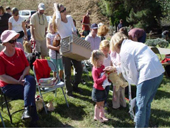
(41, 6)
(94, 26)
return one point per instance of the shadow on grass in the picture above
(161, 94)
(74, 112)
(159, 118)
(48, 120)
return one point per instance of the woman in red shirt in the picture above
(15, 80)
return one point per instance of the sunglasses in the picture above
(63, 10)
(12, 41)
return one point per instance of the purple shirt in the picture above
(136, 32)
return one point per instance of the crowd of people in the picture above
(126, 54)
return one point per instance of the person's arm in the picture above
(58, 16)
(49, 46)
(73, 26)
(97, 79)
(25, 72)
(10, 80)
(24, 28)
(9, 26)
(32, 22)
(129, 69)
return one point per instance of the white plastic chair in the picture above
(59, 84)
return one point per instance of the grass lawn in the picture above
(80, 112)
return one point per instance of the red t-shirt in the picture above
(86, 20)
(12, 66)
(98, 81)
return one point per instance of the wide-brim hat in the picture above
(7, 35)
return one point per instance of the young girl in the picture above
(118, 96)
(104, 47)
(98, 92)
(50, 37)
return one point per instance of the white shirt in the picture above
(107, 61)
(64, 29)
(16, 25)
(52, 53)
(94, 42)
(138, 62)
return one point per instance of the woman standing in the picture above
(140, 66)
(3, 20)
(65, 27)
(17, 24)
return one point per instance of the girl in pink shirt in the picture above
(98, 93)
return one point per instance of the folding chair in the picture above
(6, 101)
(59, 84)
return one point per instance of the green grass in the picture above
(80, 112)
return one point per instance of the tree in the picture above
(143, 13)
(140, 13)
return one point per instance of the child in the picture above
(50, 37)
(118, 96)
(104, 47)
(98, 92)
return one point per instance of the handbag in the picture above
(21, 34)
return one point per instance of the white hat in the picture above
(41, 6)
(100, 24)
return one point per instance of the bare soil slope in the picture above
(77, 8)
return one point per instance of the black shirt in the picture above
(4, 22)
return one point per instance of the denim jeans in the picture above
(107, 94)
(144, 96)
(26, 92)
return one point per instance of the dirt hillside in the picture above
(77, 8)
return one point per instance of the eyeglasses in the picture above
(12, 41)
(63, 10)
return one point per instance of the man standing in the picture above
(86, 24)
(120, 25)
(92, 38)
(38, 29)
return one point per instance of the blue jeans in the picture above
(144, 96)
(26, 92)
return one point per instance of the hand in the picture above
(58, 48)
(25, 37)
(75, 33)
(55, 7)
(109, 69)
(32, 39)
(21, 78)
(106, 75)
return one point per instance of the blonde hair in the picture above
(104, 44)
(103, 30)
(117, 40)
(95, 55)
(54, 25)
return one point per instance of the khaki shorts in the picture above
(41, 47)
